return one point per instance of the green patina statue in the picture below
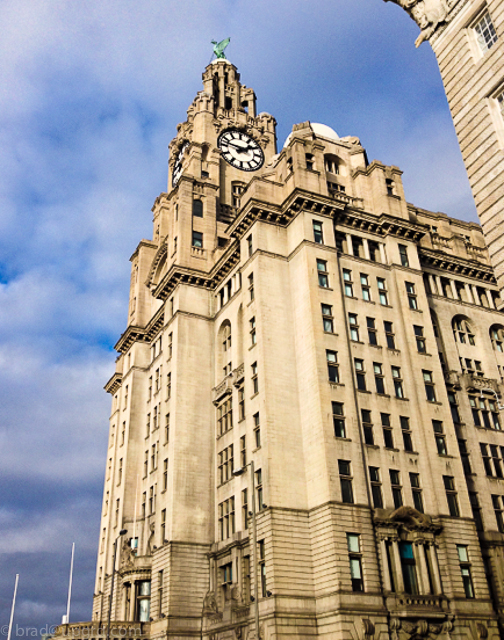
(219, 47)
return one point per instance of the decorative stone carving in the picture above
(367, 628)
(151, 538)
(428, 14)
(210, 607)
(127, 555)
(482, 631)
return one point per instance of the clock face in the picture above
(240, 150)
(177, 167)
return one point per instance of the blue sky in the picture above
(90, 95)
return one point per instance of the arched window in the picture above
(462, 331)
(497, 337)
(332, 164)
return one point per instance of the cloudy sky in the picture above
(91, 92)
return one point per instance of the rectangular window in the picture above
(163, 526)
(429, 386)
(403, 254)
(354, 555)
(420, 339)
(253, 334)
(395, 483)
(371, 329)
(197, 239)
(398, 382)
(338, 412)
(245, 508)
(323, 276)
(497, 463)
(243, 452)
(227, 573)
(376, 490)
(379, 380)
(476, 510)
(485, 32)
(360, 374)
(168, 386)
(259, 490)
(241, 403)
(486, 459)
(226, 464)
(318, 232)
(452, 399)
(366, 289)
(367, 426)
(465, 570)
(262, 568)
(251, 286)
(406, 433)
(332, 366)
(464, 455)
(389, 334)
(249, 238)
(327, 318)
(225, 416)
(440, 437)
(167, 428)
(408, 566)
(227, 518)
(257, 431)
(382, 291)
(165, 474)
(347, 283)
(499, 511)
(345, 474)
(255, 380)
(354, 327)
(388, 437)
(416, 490)
(451, 496)
(412, 297)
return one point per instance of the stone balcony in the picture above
(226, 386)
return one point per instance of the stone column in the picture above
(423, 572)
(397, 566)
(383, 254)
(436, 575)
(469, 293)
(387, 584)
(475, 294)
(453, 289)
(434, 283)
(490, 299)
(365, 244)
(349, 244)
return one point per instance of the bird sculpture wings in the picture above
(220, 46)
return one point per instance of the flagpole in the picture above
(70, 584)
(13, 605)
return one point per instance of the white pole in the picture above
(70, 584)
(135, 516)
(13, 605)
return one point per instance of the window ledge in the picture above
(391, 449)
(368, 301)
(345, 439)
(363, 391)
(326, 288)
(252, 346)
(415, 310)
(372, 446)
(414, 453)
(375, 346)
(394, 350)
(256, 449)
(356, 341)
(336, 384)
(331, 333)
(424, 353)
(254, 395)
(439, 404)
(383, 395)
(403, 399)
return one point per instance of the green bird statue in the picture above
(219, 48)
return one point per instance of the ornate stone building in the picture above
(311, 362)
(467, 37)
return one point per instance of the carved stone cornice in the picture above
(449, 263)
(140, 334)
(114, 383)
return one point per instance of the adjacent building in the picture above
(312, 363)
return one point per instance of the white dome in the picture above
(320, 131)
(324, 131)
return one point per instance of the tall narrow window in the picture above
(245, 508)
(389, 334)
(376, 490)
(163, 526)
(338, 412)
(310, 161)
(318, 232)
(197, 239)
(323, 276)
(243, 452)
(429, 386)
(332, 366)
(367, 426)
(465, 570)
(440, 437)
(412, 297)
(406, 433)
(499, 512)
(451, 496)
(255, 379)
(403, 254)
(354, 555)
(262, 568)
(257, 431)
(360, 374)
(259, 489)
(382, 291)
(197, 209)
(354, 327)
(249, 245)
(345, 474)
(251, 286)
(366, 289)
(395, 483)
(253, 334)
(398, 382)
(420, 339)
(379, 379)
(327, 318)
(388, 437)
(408, 565)
(416, 490)
(165, 474)
(371, 329)
(347, 283)
(241, 403)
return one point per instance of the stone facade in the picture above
(467, 37)
(305, 318)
